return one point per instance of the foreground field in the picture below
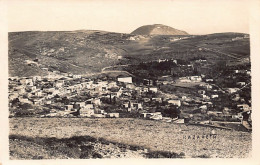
(147, 136)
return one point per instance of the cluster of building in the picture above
(75, 95)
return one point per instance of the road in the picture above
(108, 67)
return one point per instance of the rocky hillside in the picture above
(77, 52)
(88, 52)
(158, 29)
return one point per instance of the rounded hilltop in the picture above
(158, 29)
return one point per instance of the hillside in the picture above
(72, 133)
(78, 52)
(88, 52)
(158, 29)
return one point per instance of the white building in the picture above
(153, 89)
(26, 81)
(195, 78)
(175, 102)
(76, 76)
(214, 96)
(232, 90)
(125, 79)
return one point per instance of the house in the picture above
(86, 112)
(99, 111)
(58, 84)
(112, 115)
(146, 100)
(76, 76)
(133, 106)
(61, 81)
(20, 90)
(208, 86)
(158, 99)
(238, 116)
(148, 82)
(38, 101)
(195, 78)
(153, 116)
(112, 84)
(214, 96)
(68, 107)
(179, 121)
(55, 92)
(232, 90)
(138, 106)
(236, 71)
(89, 106)
(98, 88)
(95, 101)
(153, 89)
(201, 91)
(48, 102)
(38, 93)
(241, 83)
(25, 100)
(130, 86)
(56, 72)
(244, 107)
(79, 105)
(103, 83)
(236, 97)
(125, 79)
(209, 80)
(145, 89)
(205, 97)
(51, 90)
(13, 96)
(97, 115)
(26, 81)
(184, 80)
(203, 107)
(215, 113)
(175, 102)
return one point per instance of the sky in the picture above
(192, 16)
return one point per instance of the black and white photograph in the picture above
(129, 79)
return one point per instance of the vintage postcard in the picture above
(143, 81)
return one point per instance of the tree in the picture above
(65, 100)
(15, 102)
(173, 111)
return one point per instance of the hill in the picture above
(158, 29)
(78, 52)
(88, 52)
(148, 134)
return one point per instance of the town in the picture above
(187, 98)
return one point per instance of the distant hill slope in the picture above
(77, 52)
(87, 52)
(158, 29)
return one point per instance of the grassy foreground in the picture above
(62, 138)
